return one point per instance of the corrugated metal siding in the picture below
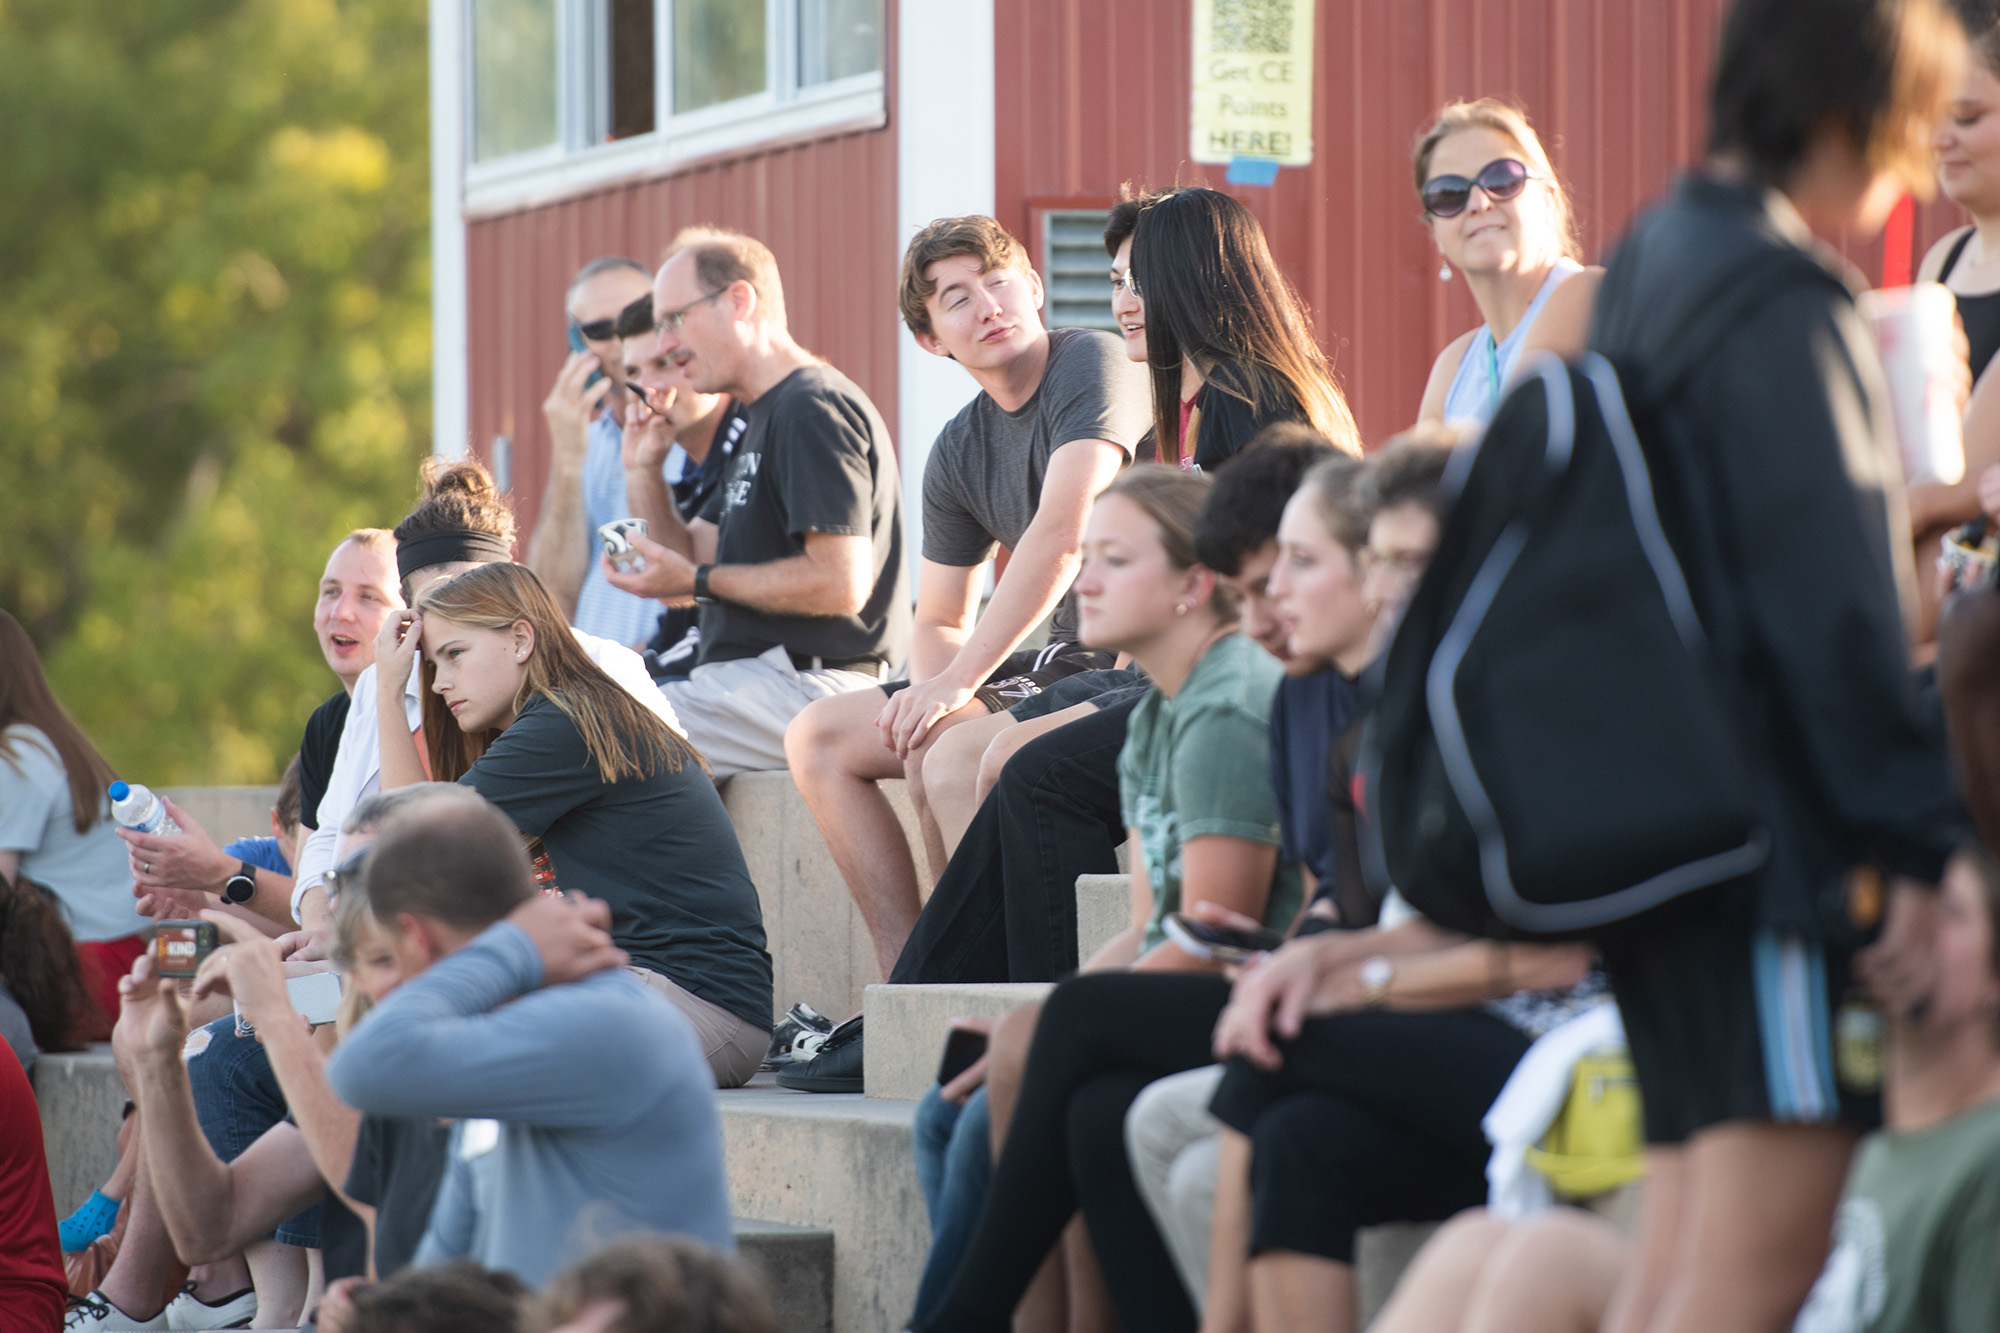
(1093, 93)
(827, 209)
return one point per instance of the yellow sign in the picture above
(1253, 77)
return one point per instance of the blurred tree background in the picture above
(214, 351)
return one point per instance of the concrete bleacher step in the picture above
(820, 950)
(81, 1099)
(842, 1163)
(907, 1026)
(795, 1269)
(1103, 908)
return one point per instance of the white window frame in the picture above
(783, 113)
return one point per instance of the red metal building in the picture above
(872, 116)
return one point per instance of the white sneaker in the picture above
(93, 1312)
(190, 1312)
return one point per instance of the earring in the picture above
(1180, 608)
(1444, 271)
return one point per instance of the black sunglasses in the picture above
(598, 330)
(1502, 179)
(348, 874)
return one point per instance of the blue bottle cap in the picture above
(119, 791)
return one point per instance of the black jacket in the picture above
(1778, 471)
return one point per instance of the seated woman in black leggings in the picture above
(1103, 1037)
(615, 804)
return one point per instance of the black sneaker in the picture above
(834, 1067)
(797, 1036)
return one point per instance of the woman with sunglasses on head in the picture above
(1501, 218)
(1229, 343)
(620, 805)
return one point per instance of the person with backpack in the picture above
(1670, 704)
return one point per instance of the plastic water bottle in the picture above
(136, 808)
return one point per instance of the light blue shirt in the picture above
(608, 612)
(585, 1110)
(1475, 390)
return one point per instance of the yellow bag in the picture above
(1596, 1143)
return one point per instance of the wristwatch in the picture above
(1375, 975)
(701, 592)
(241, 887)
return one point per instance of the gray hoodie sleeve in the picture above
(447, 1043)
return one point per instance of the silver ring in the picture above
(146, 866)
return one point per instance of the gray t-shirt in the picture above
(983, 482)
(88, 872)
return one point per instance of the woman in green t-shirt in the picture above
(614, 802)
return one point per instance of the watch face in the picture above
(239, 890)
(1376, 973)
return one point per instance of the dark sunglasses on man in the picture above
(598, 330)
(1502, 179)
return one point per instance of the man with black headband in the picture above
(461, 523)
(587, 479)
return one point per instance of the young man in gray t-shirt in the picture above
(1058, 414)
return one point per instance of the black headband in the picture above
(449, 547)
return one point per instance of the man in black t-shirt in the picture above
(797, 559)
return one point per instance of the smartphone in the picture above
(1225, 944)
(180, 947)
(577, 344)
(961, 1049)
(617, 545)
(316, 995)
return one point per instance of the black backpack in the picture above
(1549, 754)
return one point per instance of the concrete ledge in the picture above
(81, 1099)
(1103, 908)
(820, 950)
(796, 1268)
(227, 813)
(907, 1026)
(842, 1163)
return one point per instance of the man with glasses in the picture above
(587, 478)
(796, 560)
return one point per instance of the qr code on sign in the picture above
(1259, 27)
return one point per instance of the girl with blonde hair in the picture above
(616, 803)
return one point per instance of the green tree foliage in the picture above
(214, 350)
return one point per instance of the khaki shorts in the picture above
(736, 712)
(733, 1047)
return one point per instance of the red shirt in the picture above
(33, 1290)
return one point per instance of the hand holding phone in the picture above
(962, 1050)
(1224, 944)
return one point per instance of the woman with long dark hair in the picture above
(618, 804)
(1228, 341)
(56, 828)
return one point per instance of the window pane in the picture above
(838, 39)
(513, 76)
(631, 66)
(718, 51)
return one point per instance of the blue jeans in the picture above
(954, 1163)
(237, 1098)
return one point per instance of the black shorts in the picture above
(1728, 1020)
(1025, 674)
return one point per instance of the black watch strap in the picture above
(701, 592)
(241, 886)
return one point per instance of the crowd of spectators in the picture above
(1773, 1104)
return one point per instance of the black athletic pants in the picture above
(1372, 1118)
(1005, 907)
(1102, 1038)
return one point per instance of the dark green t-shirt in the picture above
(1916, 1244)
(660, 851)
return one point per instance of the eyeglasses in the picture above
(1502, 179)
(671, 321)
(1401, 564)
(1127, 281)
(598, 330)
(348, 874)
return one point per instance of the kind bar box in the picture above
(180, 946)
